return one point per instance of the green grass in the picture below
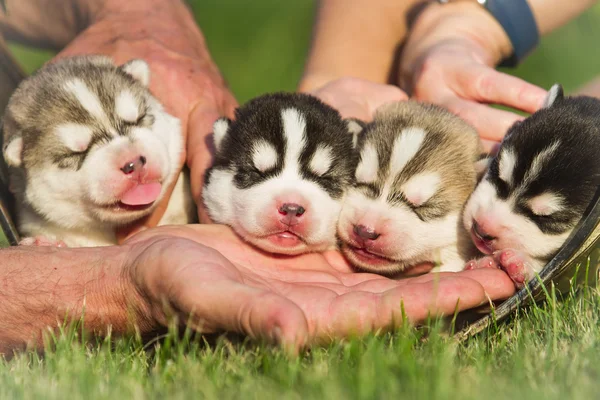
(547, 352)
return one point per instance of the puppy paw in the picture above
(516, 265)
(483, 262)
(41, 241)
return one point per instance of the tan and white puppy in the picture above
(89, 149)
(416, 170)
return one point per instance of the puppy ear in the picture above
(554, 95)
(482, 165)
(355, 127)
(138, 69)
(13, 151)
(220, 129)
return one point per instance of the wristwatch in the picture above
(517, 20)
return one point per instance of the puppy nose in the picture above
(481, 233)
(133, 165)
(291, 209)
(364, 232)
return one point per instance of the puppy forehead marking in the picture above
(264, 155)
(76, 137)
(546, 203)
(539, 160)
(368, 167)
(126, 106)
(421, 187)
(506, 165)
(405, 147)
(321, 160)
(88, 100)
(294, 127)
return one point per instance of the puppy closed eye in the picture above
(419, 189)
(546, 204)
(76, 137)
(264, 156)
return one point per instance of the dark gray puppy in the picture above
(281, 171)
(538, 186)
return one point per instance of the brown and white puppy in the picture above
(417, 169)
(89, 149)
(538, 187)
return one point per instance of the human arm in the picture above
(162, 32)
(355, 38)
(181, 272)
(451, 55)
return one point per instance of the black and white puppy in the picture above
(90, 149)
(280, 172)
(537, 188)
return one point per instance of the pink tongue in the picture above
(141, 194)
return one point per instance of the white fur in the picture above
(538, 162)
(294, 126)
(506, 165)
(551, 96)
(13, 153)
(76, 137)
(355, 129)
(546, 203)
(511, 229)
(66, 204)
(88, 100)
(218, 196)
(264, 155)
(251, 211)
(404, 237)
(405, 147)
(368, 168)
(220, 128)
(139, 70)
(127, 107)
(321, 160)
(421, 187)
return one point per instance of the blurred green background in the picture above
(261, 46)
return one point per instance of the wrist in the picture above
(465, 21)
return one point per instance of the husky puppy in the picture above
(416, 170)
(538, 187)
(281, 170)
(89, 149)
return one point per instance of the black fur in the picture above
(572, 171)
(260, 118)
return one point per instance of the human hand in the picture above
(354, 97)
(184, 77)
(294, 301)
(449, 59)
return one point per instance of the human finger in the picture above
(486, 85)
(360, 312)
(491, 124)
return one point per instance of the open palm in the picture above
(228, 285)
